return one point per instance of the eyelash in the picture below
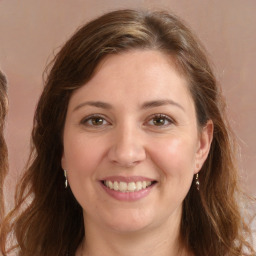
(163, 117)
(88, 120)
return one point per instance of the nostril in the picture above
(125, 164)
(127, 149)
(126, 157)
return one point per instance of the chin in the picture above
(130, 222)
(127, 228)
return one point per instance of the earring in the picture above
(197, 182)
(66, 180)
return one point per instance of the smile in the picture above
(127, 186)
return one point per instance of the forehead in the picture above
(141, 75)
(133, 60)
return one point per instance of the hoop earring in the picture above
(197, 182)
(66, 180)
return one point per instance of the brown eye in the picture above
(160, 120)
(93, 121)
(97, 121)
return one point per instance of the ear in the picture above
(204, 144)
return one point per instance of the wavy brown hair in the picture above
(3, 148)
(47, 220)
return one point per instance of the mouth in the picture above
(127, 187)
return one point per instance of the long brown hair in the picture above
(3, 148)
(47, 220)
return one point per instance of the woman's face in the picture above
(131, 143)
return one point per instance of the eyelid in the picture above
(170, 120)
(160, 115)
(87, 118)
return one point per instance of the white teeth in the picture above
(110, 184)
(116, 187)
(138, 185)
(131, 186)
(123, 186)
(127, 187)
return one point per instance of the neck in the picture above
(159, 241)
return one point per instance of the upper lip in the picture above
(127, 179)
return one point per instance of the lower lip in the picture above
(128, 196)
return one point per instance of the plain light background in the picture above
(31, 31)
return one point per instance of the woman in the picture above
(133, 118)
(3, 148)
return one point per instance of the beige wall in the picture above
(32, 30)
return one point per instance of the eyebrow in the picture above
(159, 103)
(97, 104)
(146, 105)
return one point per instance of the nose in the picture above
(128, 148)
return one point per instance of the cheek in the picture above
(175, 157)
(82, 156)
